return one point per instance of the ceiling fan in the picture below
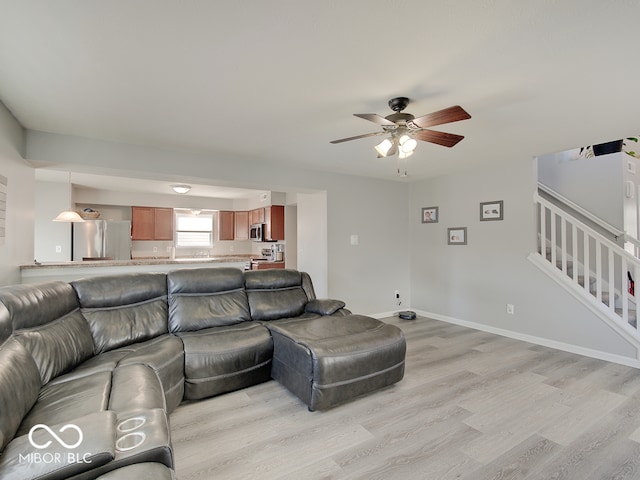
(403, 129)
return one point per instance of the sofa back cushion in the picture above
(19, 387)
(206, 297)
(6, 327)
(59, 346)
(47, 321)
(275, 294)
(123, 309)
(32, 305)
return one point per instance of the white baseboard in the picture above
(382, 315)
(566, 347)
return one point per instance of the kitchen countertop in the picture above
(139, 261)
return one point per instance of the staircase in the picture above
(591, 265)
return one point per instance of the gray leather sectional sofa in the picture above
(90, 370)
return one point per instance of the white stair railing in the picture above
(599, 267)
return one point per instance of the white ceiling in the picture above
(277, 80)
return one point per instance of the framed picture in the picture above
(430, 215)
(491, 211)
(457, 236)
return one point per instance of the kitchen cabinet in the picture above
(149, 223)
(274, 223)
(241, 228)
(256, 216)
(225, 225)
(163, 224)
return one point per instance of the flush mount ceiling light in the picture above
(70, 215)
(181, 189)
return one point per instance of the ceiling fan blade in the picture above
(357, 137)
(448, 115)
(375, 118)
(440, 138)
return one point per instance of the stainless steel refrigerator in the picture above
(102, 240)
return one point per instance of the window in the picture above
(194, 229)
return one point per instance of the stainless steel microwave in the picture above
(256, 231)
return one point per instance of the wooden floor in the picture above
(472, 405)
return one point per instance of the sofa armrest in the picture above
(84, 444)
(324, 306)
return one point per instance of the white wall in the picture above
(594, 183)
(291, 235)
(312, 240)
(17, 248)
(473, 283)
(365, 276)
(51, 198)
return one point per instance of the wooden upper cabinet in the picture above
(148, 223)
(142, 221)
(226, 228)
(241, 226)
(274, 223)
(163, 223)
(256, 216)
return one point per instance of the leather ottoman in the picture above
(329, 360)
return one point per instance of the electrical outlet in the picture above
(58, 248)
(398, 301)
(155, 249)
(510, 309)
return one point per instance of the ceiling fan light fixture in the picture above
(181, 189)
(407, 144)
(384, 148)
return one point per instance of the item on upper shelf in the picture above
(90, 213)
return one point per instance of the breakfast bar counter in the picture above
(68, 271)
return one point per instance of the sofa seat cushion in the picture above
(223, 359)
(104, 362)
(63, 401)
(165, 355)
(329, 360)
(134, 387)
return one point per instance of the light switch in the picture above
(355, 240)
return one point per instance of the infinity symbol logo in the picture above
(53, 434)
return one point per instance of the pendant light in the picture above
(70, 215)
